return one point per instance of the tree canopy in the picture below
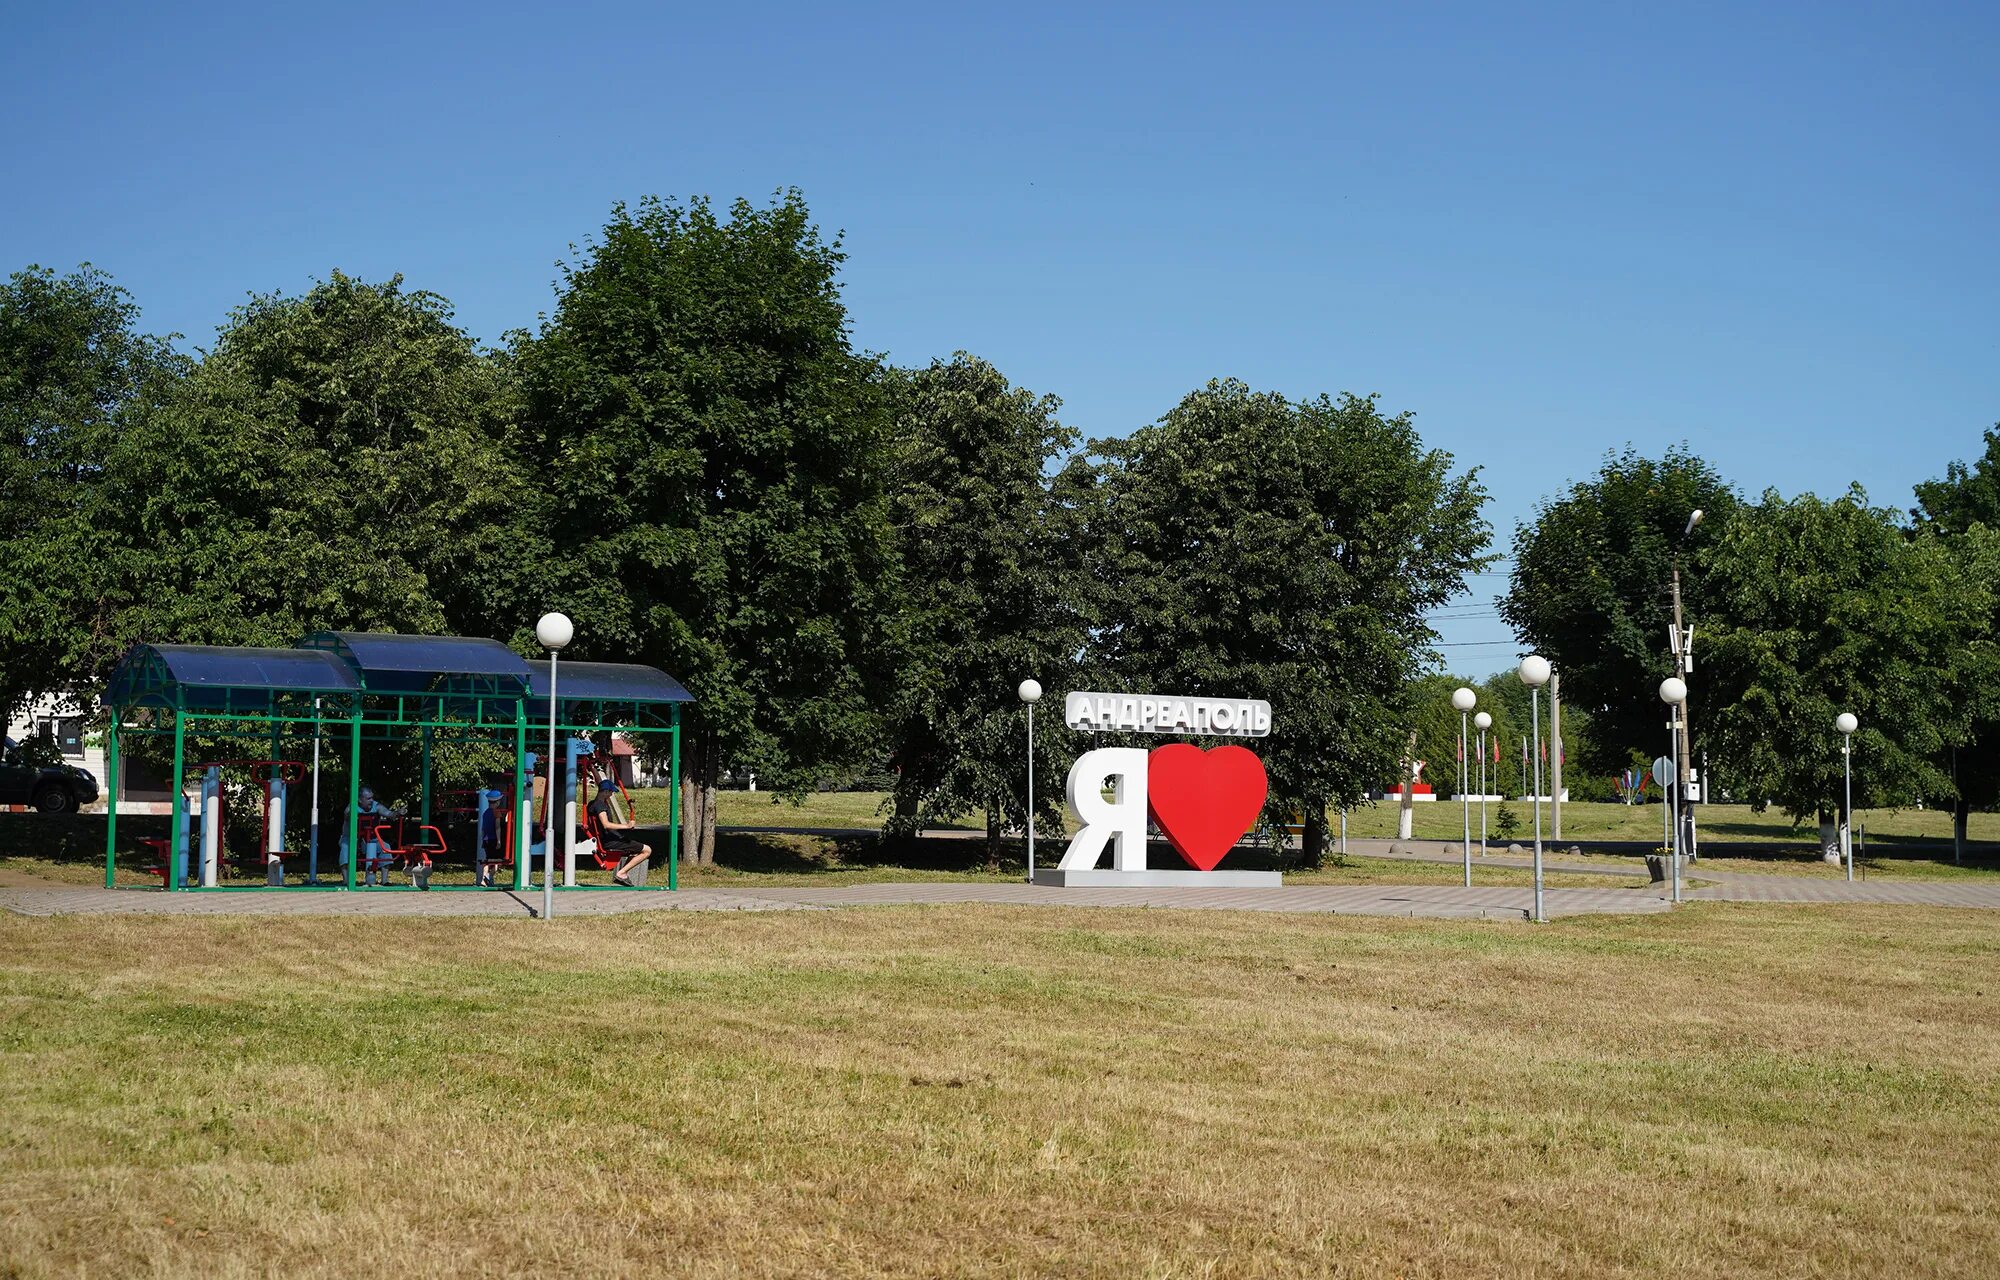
(993, 592)
(1826, 607)
(716, 480)
(1590, 588)
(1249, 546)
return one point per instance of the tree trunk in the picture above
(1829, 839)
(699, 769)
(1959, 809)
(1312, 843)
(993, 837)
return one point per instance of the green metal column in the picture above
(177, 834)
(523, 818)
(353, 794)
(425, 809)
(674, 807)
(111, 803)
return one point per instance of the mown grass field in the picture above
(960, 1091)
(1437, 820)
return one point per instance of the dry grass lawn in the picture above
(962, 1091)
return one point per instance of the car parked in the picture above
(52, 788)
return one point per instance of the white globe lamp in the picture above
(555, 630)
(1030, 691)
(1534, 671)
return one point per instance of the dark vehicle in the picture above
(52, 788)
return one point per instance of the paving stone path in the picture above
(1434, 901)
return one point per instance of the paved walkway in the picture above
(1433, 900)
(1438, 901)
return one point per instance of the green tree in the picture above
(1825, 607)
(1590, 589)
(1246, 545)
(336, 461)
(1961, 507)
(716, 455)
(74, 372)
(991, 594)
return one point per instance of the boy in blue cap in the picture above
(613, 833)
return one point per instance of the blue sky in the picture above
(1767, 230)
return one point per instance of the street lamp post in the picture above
(554, 630)
(1482, 722)
(1535, 674)
(1683, 758)
(1674, 692)
(1847, 724)
(1463, 698)
(1030, 692)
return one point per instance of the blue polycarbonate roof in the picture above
(607, 682)
(389, 663)
(196, 667)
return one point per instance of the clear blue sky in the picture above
(1767, 230)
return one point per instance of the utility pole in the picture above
(1556, 752)
(1683, 767)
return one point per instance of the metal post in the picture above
(523, 799)
(1343, 833)
(312, 821)
(177, 837)
(1556, 756)
(1679, 800)
(1683, 754)
(1535, 712)
(1847, 814)
(424, 803)
(1031, 793)
(1482, 793)
(549, 807)
(354, 850)
(674, 808)
(1465, 796)
(111, 803)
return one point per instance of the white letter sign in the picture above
(1121, 819)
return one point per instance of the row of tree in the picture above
(1802, 607)
(847, 562)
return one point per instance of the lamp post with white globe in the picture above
(554, 630)
(1030, 692)
(1463, 698)
(1535, 673)
(1847, 724)
(1674, 692)
(1482, 722)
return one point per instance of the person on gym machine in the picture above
(613, 833)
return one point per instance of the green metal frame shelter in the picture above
(376, 687)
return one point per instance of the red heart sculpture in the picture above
(1204, 800)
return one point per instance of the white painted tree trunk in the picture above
(1829, 840)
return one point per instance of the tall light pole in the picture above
(1535, 674)
(1482, 722)
(1030, 692)
(1674, 692)
(1847, 724)
(554, 630)
(1463, 698)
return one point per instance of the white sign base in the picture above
(1063, 878)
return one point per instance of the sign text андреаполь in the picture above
(1159, 713)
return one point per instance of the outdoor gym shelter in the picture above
(283, 715)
